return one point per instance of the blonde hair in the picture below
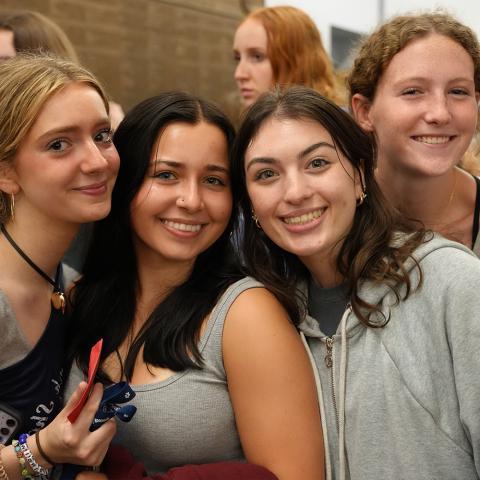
(27, 82)
(296, 51)
(35, 33)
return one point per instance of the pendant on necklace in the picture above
(58, 301)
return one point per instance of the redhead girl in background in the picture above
(219, 371)
(57, 170)
(281, 46)
(415, 87)
(390, 313)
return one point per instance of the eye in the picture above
(460, 92)
(411, 91)
(58, 145)
(215, 181)
(318, 163)
(265, 174)
(165, 175)
(236, 57)
(258, 57)
(104, 136)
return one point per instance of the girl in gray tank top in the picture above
(218, 368)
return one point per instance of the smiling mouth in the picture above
(305, 218)
(183, 227)
(433, 140)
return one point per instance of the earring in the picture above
(255, 219)
(362, 198)
(12, 206)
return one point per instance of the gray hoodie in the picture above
(403, 401)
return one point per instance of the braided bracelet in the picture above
(27, 454)
(3, 473)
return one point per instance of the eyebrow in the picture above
(303, 153)
(71, 128)
(211, 167)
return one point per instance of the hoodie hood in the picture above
(380, 293)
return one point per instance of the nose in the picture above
(241, 71)
(438, 110)
(190, 198)
(296, 189)
(93, 159)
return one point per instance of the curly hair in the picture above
(377, 50)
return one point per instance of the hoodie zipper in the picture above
(329, 364)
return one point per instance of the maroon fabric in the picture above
(119, 464)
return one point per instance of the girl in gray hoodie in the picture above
(389, 313)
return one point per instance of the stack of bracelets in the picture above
(26, 459)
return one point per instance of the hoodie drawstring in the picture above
(341, 410)
(328, 466)
(342, 381)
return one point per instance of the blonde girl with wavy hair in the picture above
(57, 170)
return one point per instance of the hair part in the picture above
(105, 298)
(369, 251)
(296, 51)
(27, 82)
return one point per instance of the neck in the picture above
(324, 270)
(427, 199)
(44, 244)
(156, 278)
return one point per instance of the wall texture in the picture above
(141, 47)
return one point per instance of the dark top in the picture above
(327, 306)
(34, 385)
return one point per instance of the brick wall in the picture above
(141, 47)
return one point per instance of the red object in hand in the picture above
(92, 371)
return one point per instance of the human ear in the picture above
(361, 107)
(8, 180)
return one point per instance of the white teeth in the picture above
(305, 218)
(432, 140)
(184, 227)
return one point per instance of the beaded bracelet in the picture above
(3, 473)
(18, 452)
(27, 454)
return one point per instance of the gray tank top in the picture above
(187, 418)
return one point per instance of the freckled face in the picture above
(185, 201)
(424, 112)
(303, 190)
(253, 74)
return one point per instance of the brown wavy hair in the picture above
(371, 251)
(296, 51)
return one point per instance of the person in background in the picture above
(281, 46)
(30, 31)
(57, 169)
(393, 312)
(219, 370)
(415, 86)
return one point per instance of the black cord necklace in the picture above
(58, 296)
